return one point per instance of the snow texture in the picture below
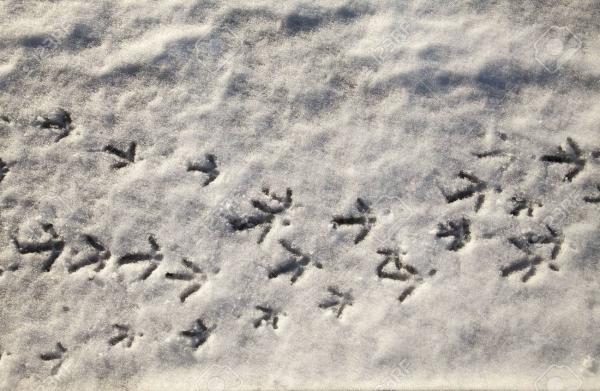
(198, 194)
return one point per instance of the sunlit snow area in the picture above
(232, 195)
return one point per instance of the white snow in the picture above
(394, 124)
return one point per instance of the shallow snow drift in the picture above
(309, 194)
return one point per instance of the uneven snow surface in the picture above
(299, 195)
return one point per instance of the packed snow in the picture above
(198, 195)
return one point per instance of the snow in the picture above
(149, 239)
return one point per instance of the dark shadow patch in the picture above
(346, 13)
(317, 101)
(497, 78)
(238, 17)
(38, 41)
(435, 53)
(82, 36)
(301, 22)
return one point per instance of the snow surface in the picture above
(435, 235)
